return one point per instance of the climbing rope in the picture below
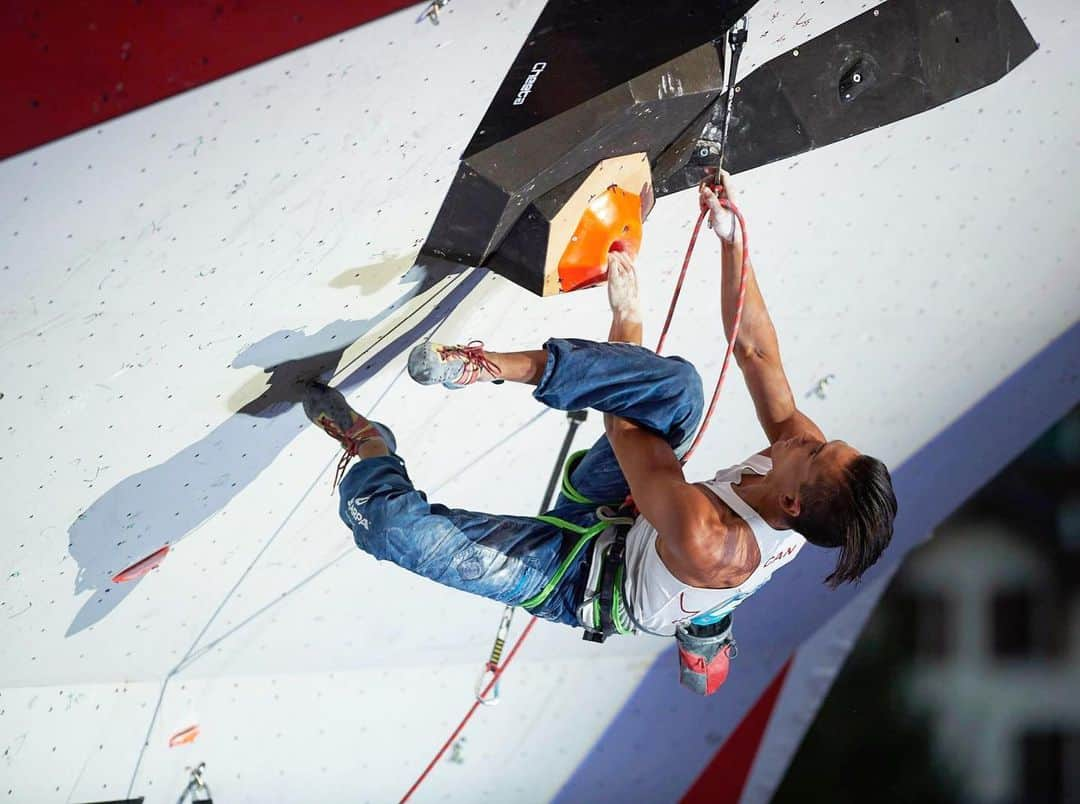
(472, 710)
(744, 272)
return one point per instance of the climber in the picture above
(690, 547)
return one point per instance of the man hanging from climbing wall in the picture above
(695, 548)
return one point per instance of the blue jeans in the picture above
(511, 558)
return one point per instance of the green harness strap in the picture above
(585, 535)
(618, 611)
(568, 487)
(619, 615)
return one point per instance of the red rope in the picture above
(701, 431)
(679, 284)
(472, 710)
(727, 204)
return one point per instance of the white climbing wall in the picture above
(153, 269)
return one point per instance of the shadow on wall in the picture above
(164, 503)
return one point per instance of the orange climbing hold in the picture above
(184, 736)
(141, 568)
(612, 222)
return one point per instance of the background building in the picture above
(982, 628)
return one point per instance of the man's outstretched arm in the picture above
(757, 350)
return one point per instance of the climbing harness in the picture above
(606, 600)
(585, 535)
(603, 610)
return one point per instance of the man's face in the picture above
(808, 460)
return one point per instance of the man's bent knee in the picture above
(691, 400)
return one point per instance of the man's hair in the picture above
(855, 514)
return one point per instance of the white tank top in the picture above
(660, 601)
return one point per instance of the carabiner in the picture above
(492, 698)
(737, 36)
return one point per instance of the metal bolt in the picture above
(431, 13)
(794, 53)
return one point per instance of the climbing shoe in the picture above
(453, 366)
(327, 409)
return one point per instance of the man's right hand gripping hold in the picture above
(696, 547)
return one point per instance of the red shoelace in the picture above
(475, 360)
(350, 443)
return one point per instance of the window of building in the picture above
(925, 620)
(1012, 624)
(1050, 767)
(1026, 623)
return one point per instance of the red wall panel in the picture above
(725, 776)
(69, 64)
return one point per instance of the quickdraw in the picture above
(492, 666)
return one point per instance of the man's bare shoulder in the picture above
(716, 548)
